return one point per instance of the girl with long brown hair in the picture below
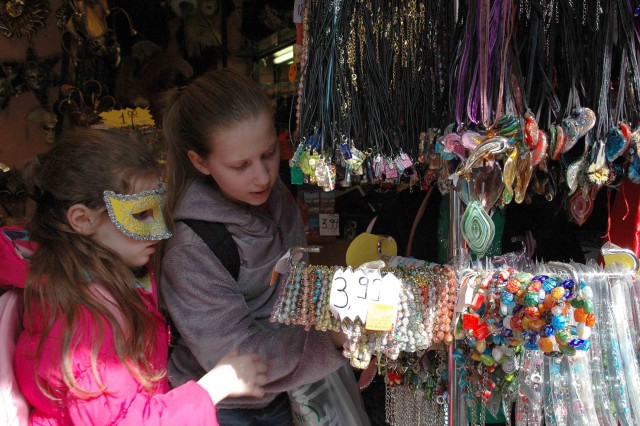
(94, 349)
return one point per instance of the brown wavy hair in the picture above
(77, 170)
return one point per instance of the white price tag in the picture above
(390, 290)
(298, 7)
(329, 224)
(354, 292)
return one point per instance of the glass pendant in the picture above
(523, 175)
(477, 228)
(616, 144)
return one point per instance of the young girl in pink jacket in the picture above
(94, 348)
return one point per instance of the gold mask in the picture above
(124, 208)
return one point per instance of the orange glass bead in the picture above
(512, 286)
(579, 315)
(590, 320)
(546, 344)
(535, 286)
(537, 324)
(548, 302)
(532, 313)
(565, 308)
(516, 323)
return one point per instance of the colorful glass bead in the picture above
(507, 297)
(481, 345)
(548, 302)
(486, 359)
(577, 303)
(558, 322)
(531, 299)
(585, 346)
(586, 293)
(567, 284)
(531, 345)
(547, 331)
(532, 312)
(535, 285)
(557, 310)
(590, 320)
(470, 321)
(557, 293)
(497, 354)
(576, 342)
(546, 344)
(562, 337)
(588, 306)
(512, 286)
(568, 350)
(516, 323)
(482, 331)
(579, 315)
(549, 284)
(584, 332)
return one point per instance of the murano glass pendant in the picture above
(477, 228)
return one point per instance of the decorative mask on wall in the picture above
(86, 21)
(13, 195)
(23, 18)
(39, 76)
(11, 82)
(82, 106)
(46, 121)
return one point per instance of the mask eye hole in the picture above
(144, 216)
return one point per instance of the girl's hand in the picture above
(235, 375)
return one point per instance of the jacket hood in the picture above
(202, 201)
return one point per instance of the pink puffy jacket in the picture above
(120, 399)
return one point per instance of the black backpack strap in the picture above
(220, 242)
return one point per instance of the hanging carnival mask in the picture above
(10, 82)
(45, 120)
(23, 18)
(83, 107)
(123, 210)
(39, 76)
(86, 21)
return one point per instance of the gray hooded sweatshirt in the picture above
(213, 313)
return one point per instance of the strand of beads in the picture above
(546, 305)
(484, 343)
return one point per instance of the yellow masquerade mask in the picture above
(124, 208)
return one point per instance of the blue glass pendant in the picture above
(633, 172)
(616, 144)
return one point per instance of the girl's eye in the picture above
(270, 153)
(144, 216)
(241, 167)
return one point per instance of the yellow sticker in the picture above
(380, 317)
(127, 117)
(364, 248)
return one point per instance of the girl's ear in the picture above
(81, 219)
(198, 162)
